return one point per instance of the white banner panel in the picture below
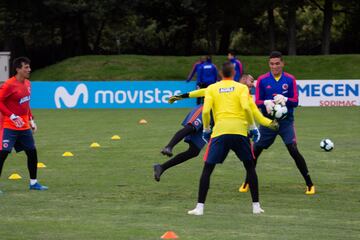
(329, 93)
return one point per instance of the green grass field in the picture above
(109, 192)
(139, 67)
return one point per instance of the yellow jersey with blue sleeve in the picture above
(258, 116)
(229, 103)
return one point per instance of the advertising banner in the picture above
(154, 94)
(325, 93)
(119, 94)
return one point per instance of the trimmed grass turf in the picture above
(109, 192)
(140, 67)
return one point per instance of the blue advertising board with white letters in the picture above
(119, 94)
(154, 94)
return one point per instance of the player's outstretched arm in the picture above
(192, 94)
(197, 93)
(206, 112)
(175, 98)
(258, 116)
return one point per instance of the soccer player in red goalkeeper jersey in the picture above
(17, 125)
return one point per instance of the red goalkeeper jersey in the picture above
(15, 99)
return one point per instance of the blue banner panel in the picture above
(119, 94)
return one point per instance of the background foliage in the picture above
(51, 30)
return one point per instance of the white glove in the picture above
(18, 121)
(269, 105)
(33, 125)
(280, 99)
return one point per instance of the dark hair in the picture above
(275, 54)
(227, 69)
(232, 52)
(18, 62)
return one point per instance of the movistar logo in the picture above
(71, 100)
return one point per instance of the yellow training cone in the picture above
(142, 121)
(67, 154)
(15, 176)
(41, 165)
(95, 145)
(115, 137)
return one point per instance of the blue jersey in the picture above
(238, 68)
(208, 74)
(195, 69)
(267, 87)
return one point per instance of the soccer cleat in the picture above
(244, 187)
(258, 211)
(310, 190)
(167, 151)
(157, 172)
(38, 186)
(196, 212)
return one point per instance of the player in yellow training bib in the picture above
(229, 103)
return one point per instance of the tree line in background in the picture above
(51, 30)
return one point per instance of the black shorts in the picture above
(219, 147)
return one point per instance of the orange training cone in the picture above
(169, 235)
(143, 121)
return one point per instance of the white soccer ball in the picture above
(279, 111)
(327, 145)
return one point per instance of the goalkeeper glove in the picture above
(33, 125)
(206, 135)
(269, 105)
(254, 133)
(280, 99)
(274, 125)
(174, 98)
(18, 121)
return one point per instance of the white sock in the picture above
(33, 181)
(200, 206)
(256, 204)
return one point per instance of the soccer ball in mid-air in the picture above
(279, 111)
(327, 144)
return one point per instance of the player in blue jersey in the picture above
(192, 134)
(237, 65)
(195, 69)
(208, 73)
(272, 88)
